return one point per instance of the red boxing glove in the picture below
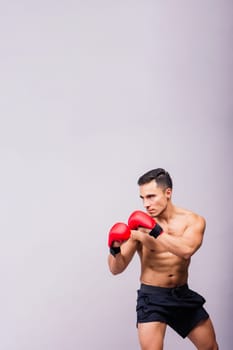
(140, 219)
(119, 232)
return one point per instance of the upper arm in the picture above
(194, 232)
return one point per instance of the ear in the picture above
(168, 193)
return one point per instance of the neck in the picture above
(167, 213)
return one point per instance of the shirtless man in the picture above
(165, 238)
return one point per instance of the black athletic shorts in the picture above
(181, 308)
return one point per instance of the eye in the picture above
(151, 196)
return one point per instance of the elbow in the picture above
(115, 272)
(187, 256)
(188, 253)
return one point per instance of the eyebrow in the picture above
(148, 196)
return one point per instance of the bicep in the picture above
(194, 233)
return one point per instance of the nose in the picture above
(146, 203)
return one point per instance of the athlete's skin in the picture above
(165, 260)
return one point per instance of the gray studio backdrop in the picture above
(92, 95)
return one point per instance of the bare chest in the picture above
(175, 228)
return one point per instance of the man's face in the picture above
(155, 198)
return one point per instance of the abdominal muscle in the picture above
(163, 269)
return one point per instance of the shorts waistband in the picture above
(146, 288)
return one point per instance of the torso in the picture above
(160, 267)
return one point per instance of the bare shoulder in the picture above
(191, 218)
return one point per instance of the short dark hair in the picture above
(160, 175)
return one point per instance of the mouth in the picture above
(150, 212)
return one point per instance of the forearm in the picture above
(116, 263)
(179, 246)
(120, 261)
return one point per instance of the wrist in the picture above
(137, 235)
(115, 250)
(156, 231)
